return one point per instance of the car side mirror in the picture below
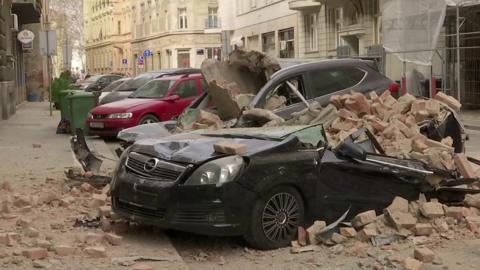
(172, 98)
(349, 149)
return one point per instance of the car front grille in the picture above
(100, 116)
(161, 171)
(199, 217)
(140, 210)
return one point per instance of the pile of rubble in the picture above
(422, 223)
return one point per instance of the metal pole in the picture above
(459, 96)
(48, 70)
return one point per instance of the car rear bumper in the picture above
(207, 210)
(111, 127)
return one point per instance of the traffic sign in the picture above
(124, 61)
(147, 53)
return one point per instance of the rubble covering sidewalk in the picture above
(422, 225)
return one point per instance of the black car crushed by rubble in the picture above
(287, 177)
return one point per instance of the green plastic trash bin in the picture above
(80, 105)
(64, 104)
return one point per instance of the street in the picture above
(33, 164)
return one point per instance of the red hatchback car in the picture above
(158, 100)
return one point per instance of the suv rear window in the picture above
(331, 80)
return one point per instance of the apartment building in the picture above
(108, 36)
(174, 34)
(22, 68)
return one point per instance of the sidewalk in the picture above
(471, 119)
(33, 159)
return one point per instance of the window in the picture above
(311, 32)
(325, 82)
(183, 58)
(283, 90)
(333, 26)
(187, 89)
(214, 53)
(153, 89)
(287, 43)
(268, 43)
(182, 18)
(212, 17)
(119, 27)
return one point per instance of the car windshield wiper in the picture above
(243, 136)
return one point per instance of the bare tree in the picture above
(70, 12)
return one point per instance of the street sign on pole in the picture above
(48, 47)
(147, 53)
(125, 61)
(25, 36)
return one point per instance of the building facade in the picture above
(174, 34)
(107, 25)
(22, 68)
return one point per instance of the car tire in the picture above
(275, 219)
(148, 119)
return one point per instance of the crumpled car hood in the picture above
(197, 149)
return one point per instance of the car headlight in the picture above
(120, 115)
(217, 172)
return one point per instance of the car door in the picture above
(344, 183)
(325, 82)
(187, 91)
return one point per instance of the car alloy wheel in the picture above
(148, 119)
(281, 217)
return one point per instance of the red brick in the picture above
(398, 204)
(113, 239)
(302, 236)
(419, 105)
(98, 200)
(86, 187)
(227, 147)
(454, 212)
(315, 229)
(423, 254)
(473, 200)
(358, 103)
(432, 107)
(400, 219)
(432, 209)
(64, 250)
(423, 229)
(336, 101)
(449, 101)
(104, 211)
(348, 232)
(364, 218)
(106, 225)
(88, 174)
(412, 264)
(464, 166)
(35, 253)
(365, 234)
(142, 266)
(418, 145)
(96, 251)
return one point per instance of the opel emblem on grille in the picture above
(150, 165)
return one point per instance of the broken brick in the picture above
(338, 238)
(35, 253)
(96, 251)
(398, 204)
(473, 200)
(365, 234)
(86, 187)
(23, 222)
(348, 232)
(401, 219)
(104, 211)
(21, 201)
(227, 147)
(423, 229)
(431, 209)
(98, 200)
(423, 254)
(315, 229)
(302, 236)
(449, 101)
(358, 103)
(454, 212)
(364, 218)
(113, 239)
(93, 238)
(64, 250)
(31, 232)
(105, 224)
(413, 264)
(464, 166)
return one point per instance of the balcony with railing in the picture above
(304, 5)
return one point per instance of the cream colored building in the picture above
(108, 36)
(171, 34)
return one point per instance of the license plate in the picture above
(97, 125)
